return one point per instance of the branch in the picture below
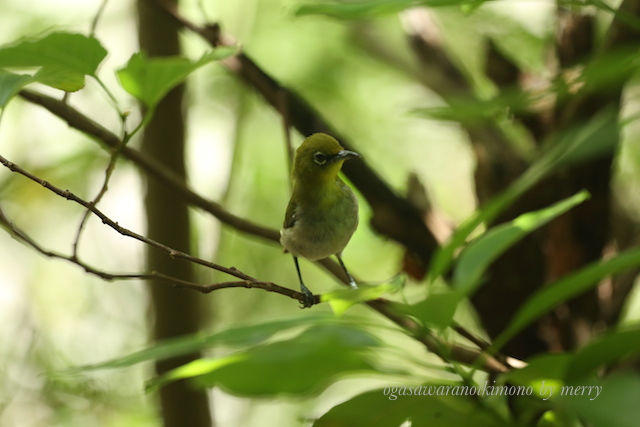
(251, 284)
(115, 154)
(247, 282)
(125, 232)
(445, 350)
(78, 121)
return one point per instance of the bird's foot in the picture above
(309, 298)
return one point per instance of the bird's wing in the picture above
(290, 216)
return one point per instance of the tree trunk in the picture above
(176, 312)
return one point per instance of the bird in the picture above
(322, 214)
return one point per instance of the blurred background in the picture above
(362, 76)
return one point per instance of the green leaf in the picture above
(72, 56)
(393, 406)
(615, 406)
(471, 110)
(371, 8)
(437, 309)
(516, 42)
(342, 299)
(60, 78)
(10, 85)
(615, 347)
(239, 336)
(150, 79)
(65, 50)
(609, 69)
(566, 288)
(553, 375)
(355, 10)
(581, 143)
(621, 14)
(480, 253)
(304, 364)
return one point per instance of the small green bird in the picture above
(323, 211)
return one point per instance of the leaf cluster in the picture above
(303, 356)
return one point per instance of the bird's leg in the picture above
(352, 282)
(309, 299)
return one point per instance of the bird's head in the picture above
(319, 159)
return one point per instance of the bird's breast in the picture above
(324, 225)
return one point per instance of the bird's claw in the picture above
(309, 298)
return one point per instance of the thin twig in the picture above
(105, 185)
(96, 18)
(23, 237)
(173, 253)
(94, 202)
(114, 101)
(249, 284)
(482, 344)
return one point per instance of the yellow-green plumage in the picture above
(323, 212)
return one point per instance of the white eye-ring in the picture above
(319, 158)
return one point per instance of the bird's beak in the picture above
(345, 155)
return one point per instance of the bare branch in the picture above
(115, 154)
(125, 232)
(249, 283)
(94, 202)
(96, 18)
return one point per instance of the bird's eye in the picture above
(319, 158)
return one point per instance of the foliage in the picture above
(303, 356)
